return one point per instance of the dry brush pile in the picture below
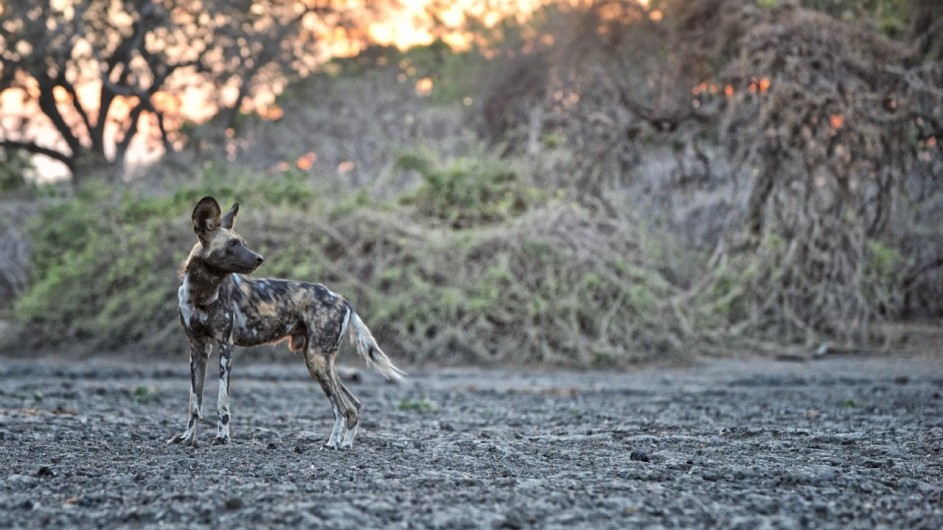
(811, 142)
(539, 279)
(822, 123)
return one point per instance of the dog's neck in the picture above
(203, 281)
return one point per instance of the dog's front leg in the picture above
(222, 401)
(199, 353)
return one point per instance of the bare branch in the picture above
(37, 149)
(47, 103)
(76, 104)
(122, 147)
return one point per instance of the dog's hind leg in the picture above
(199, 353)
(222, 400)
(318, 367)
(349, 405)
(352, 415)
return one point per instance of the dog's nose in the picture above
(259, 259)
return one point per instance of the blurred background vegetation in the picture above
(576, 183)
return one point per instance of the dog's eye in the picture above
(233, 242)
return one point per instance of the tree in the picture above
(81, 77)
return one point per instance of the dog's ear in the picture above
(205, 218)
(230, 218)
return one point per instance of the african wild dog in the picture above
(220, 306)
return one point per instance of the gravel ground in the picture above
(833, 443)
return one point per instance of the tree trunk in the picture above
(90, 166)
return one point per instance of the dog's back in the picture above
(269, 310)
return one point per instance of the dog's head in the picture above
(223, 249)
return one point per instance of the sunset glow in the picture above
(414, 24)
(408, 24)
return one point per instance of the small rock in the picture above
(21, 480)
(641, 456)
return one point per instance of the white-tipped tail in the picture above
(370, 351)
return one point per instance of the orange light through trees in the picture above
(837, 121)
(420, 22)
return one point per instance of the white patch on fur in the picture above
(196, 407)
(188, 306)
(222, 399)
(371, 352)
(238, 324)
(349, 437)
(183, 300)
(344, 325)
(335, 438)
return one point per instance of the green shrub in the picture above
(883, 274)
(13, 166)
(534, 281)
(104, 262)
(102, 267)
(469, 191)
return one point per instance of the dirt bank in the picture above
(835, 443)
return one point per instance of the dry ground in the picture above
(835, 443)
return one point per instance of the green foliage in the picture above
(517, 293)
(13, 165)
(454, 75)
(95, 263)
(891, 16)
(883, 272)
(496, 281)
(851, 404)
(417, 405)
(884, 261)
(142, 394)
(104, 261)
(469, 191)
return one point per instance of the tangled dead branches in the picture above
(821, 128)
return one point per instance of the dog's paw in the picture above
(221, 440)
(184, 439)
(330, 445)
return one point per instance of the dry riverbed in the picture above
(835, 443)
